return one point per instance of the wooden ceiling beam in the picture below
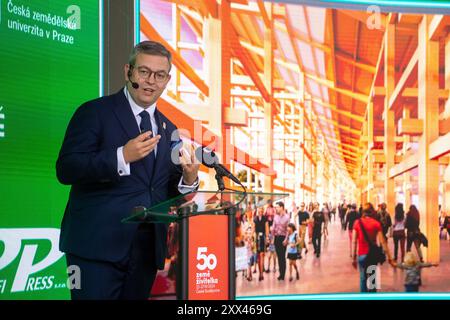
(248, 64)
(363, 17)
(438, 26)
(401, 85)
(355, 62)
(252, 9)
(338, 125)
(338, 110)
(331, 38)
(204, 7)
(295, 67)
(444, 94)
(262, 10)
(406, 18)
(339, 54)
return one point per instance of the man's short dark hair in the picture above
(152, 48)
(281, 204)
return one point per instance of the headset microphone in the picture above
(135, 85)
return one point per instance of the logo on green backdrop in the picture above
(27, 266)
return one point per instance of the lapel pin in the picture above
(164, 125)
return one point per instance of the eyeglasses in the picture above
(145, 73)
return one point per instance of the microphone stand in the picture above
(220, 173)
(220, 182)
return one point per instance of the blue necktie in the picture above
(146, 125)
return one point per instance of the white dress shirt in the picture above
(123, 168)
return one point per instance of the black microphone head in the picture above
(206, 157)
(135, 85)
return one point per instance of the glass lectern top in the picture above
(200, 203)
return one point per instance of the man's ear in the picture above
(126, 70)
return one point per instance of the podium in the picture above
(206, 234)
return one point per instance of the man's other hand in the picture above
(190, 165)
(140, 147)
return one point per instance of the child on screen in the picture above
(412, 267)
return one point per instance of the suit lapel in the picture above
(127, 120)
(125, 115)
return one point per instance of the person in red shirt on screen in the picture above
(374, 231)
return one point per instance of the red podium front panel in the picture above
(208, 269)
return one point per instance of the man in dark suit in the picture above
(117, 155)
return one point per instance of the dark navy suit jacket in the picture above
(99, 197)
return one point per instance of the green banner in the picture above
(50, 64)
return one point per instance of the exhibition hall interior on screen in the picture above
(327, 113)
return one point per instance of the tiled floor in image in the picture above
(333, 272)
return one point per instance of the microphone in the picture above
(135, 85)
(209, 159)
